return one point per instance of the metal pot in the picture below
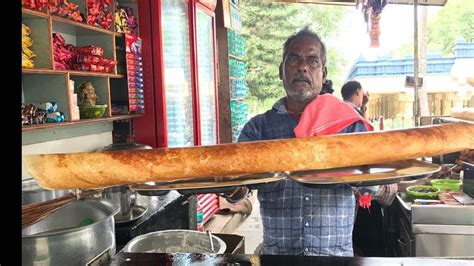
(31, 192)
(123, 198)
(73, 235)
(126, 146)
(175, 241)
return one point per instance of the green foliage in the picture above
(266, 26)
(455, 19)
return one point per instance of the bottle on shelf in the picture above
(200, 219)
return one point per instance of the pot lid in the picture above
(126, 146)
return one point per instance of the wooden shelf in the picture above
(42, 71)
(93, 74)
(84, 26)
(71, 72)
(43, 83)
(28, 13)
(80, 122)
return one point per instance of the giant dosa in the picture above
(103, 169)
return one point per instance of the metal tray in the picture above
(207, 185)
(366, 175)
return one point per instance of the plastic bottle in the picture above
(200, 225)
(199, 218)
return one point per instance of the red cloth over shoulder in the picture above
(327, 115)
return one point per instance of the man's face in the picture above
(302, 70)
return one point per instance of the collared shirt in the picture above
(297, 219)
(355, 107)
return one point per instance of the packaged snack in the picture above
(55, 117)
(26, 41)
(99, 13)
(25, 30)
(28, 52)
(91, 50)
(121, 21)
(26, 62)
(88, 59)
(49, 107)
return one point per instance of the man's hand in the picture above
(238, 194)
(365, 100)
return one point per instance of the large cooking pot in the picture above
(31, 192)
(73, 235)
(175, 241)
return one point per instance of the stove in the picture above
(243, 260)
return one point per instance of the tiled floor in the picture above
(251, 228)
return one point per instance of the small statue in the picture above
(87, 95)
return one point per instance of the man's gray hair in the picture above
(306, 31)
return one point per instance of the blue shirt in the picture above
(297, 219)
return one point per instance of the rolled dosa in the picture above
(465, 113)
(109, 168)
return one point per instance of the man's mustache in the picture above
(301, 78)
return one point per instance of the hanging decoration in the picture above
(372, 11)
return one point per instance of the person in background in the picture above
(369, 236)
(353, 94)
(299, 220)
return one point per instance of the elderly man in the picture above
(298, 219)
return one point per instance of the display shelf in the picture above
(71, 72)
(80, 122)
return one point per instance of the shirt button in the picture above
(306, 198)
(306, 249)
(306, 224)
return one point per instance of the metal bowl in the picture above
(31, 192)
(73, 235)
(175, 241)
(92, 111)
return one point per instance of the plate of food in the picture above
(423, 192)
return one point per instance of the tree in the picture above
(455, 19)
(266, 26)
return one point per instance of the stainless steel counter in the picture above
(436, 230)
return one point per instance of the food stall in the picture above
(100, 63)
